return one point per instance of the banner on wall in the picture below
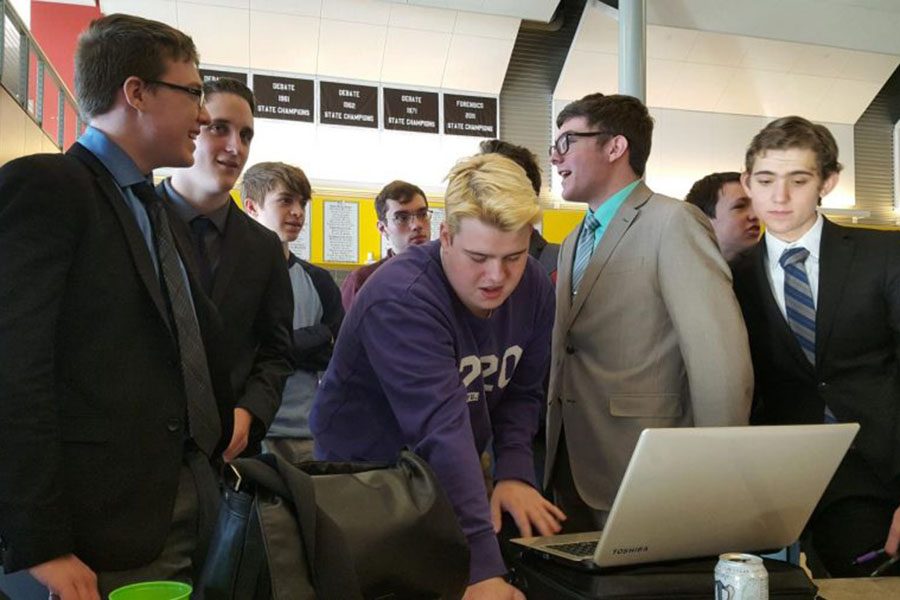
(348, 104)
(410, 110)
(213, 75)
(284, 98)
(470, 115)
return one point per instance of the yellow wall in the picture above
(556, 226)
(558, 223)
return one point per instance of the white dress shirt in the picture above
(811, 240)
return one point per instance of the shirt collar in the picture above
(606, 211)
(811, 240)
(188, 213)
(116, 160)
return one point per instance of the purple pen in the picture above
(868, 556)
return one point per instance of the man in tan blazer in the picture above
(648, 332)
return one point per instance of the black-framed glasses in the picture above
(402, 219)
(195, 92)
(562, 143)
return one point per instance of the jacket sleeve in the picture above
(273, 360)
(313, 345)
(40, 229)
(695, 283)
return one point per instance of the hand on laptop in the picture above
(492, 589)
(893, 538)
(527, 507)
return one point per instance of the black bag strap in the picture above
(328, 558)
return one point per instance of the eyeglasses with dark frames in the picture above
(562, 143)
(195, 92)
(402, 219)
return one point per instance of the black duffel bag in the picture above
(334, 530)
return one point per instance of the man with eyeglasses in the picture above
(404, 219)
(114, 396)
(239, 263)
(648, 332)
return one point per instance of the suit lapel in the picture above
(615, 230)
(232, 245)
(835, 257)
(135, 239)
(770, 307)
(564, 275)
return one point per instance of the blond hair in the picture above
(492, 189)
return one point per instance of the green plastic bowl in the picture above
(152, 590)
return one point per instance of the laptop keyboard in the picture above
(580, 549)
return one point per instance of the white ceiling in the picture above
(714, 72)
(536, 10)
(869, 25)
(725, 56)
(389, 42)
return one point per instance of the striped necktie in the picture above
(584, 250)
(800, 309)
(203, 418)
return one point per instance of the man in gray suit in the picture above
(648, 332)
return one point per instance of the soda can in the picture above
(741, 577)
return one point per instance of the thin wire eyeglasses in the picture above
(562, 143)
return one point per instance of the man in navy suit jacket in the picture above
(104, 478)
(824, 326)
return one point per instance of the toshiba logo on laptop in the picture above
(631, 550)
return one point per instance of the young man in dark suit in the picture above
(113, 400)
(822, 307)
(239, 262)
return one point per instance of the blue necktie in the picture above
(584, 250)
(798, 301)
(800, 308)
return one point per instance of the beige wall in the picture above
(19, 134)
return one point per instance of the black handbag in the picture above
(334, 531)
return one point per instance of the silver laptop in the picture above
(702, 491)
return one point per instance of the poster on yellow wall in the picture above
(340, 228)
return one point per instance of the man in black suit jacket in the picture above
(104, 479)
(240, 261)
(824, 325)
